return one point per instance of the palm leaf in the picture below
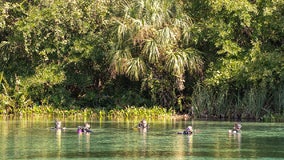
(176, 62)
(166, 36)
(136, 68)
(119, 61)
(151, 50)
(121, 31)
(195, 62)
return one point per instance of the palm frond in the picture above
(151, 50)
(166, 36)
(119, 61)
(195, 62)
(180, 61)
(136, 68)
(176, 62)
(143, 33)
(122, 30)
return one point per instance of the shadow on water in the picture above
(33, 139)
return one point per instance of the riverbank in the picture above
(130, 112)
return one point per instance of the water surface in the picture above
(33, 139)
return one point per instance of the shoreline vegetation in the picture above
(134, 113)
(210, 59)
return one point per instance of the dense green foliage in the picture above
(216, 58)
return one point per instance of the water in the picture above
(33, 139)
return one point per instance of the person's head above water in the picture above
(237, 126)
(87, 126)
(189, 128)
(144, 121)
(187, 131)
(79, 129)
(236, 129)
(143, 124)
(57, 124)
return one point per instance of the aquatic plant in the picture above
(252, 103)
(132, 112)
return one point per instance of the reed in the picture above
(258, 103)
(129, 112)
(132, 112)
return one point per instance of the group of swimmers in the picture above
(85, 129)
(80, 129)
(143, 125)
(189, 130)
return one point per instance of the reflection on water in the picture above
(33, 139)
(236, 138)
(58, 140)
(84, 142)
(143, 149)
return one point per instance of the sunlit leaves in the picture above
(229, 47)
(136, 68)
(177, 62)
(122, 31)
(123, 63)
(246, 37)
(157, 35)
(168, 36)
(119, 61)
(151, 50)
(234, 70)
(156, 42)
(151, 29)
(56, 24)
(241, 9)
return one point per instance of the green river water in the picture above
(121, 140)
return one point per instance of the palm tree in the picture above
(151, 43)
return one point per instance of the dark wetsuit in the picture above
(143, 124)
(187, 132)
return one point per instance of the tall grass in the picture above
(208, 102)
(132, 112)
(257, 103)
(114, 114)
